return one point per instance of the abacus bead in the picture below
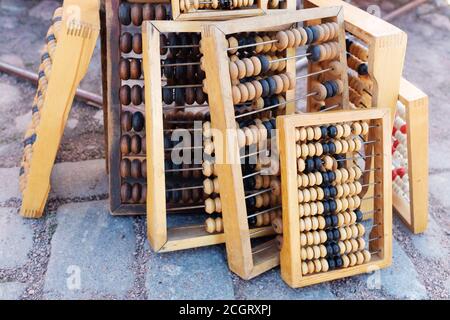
(148, 13)
(125, 95)
(138, 121)
(125, 192)
(124, 14)
(125, 168)
(126, 42)
(283, 40)
(136, 144)
(137, 43)
(135, 69)
(126, 121)
(160, 12)
(136, 14)
(124, 69)
(125, 142)
(136, 95)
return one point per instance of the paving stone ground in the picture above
(77, 250)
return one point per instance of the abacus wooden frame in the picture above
(290, 252)
(75, 49)
(237, 232)
(387, 48)
(112, 109)
(261, 9)
(161, 237)
(415, 213)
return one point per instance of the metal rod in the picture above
(263, 211)
(185, 188)
(313, 73)
(290, 57)
(180, 64)
(329, 108)
(179, 46)
(184, 208)
(370, 142)
(184, 86)
(183, 148)
(86, 96)
(183, 169)
(377, 238)
(370, 184)
(370, 198)
(356, 158)
(258, 193)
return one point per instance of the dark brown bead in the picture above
(136, 193)
(144, 168)
(125, 192)
(190, 95)
(162, 44)
(137, 43)
(144, 146)
(200, 96)
(195, 195)
(126, 40)
(143, 194)
(136, 97)
(125, 95)
(136, 144)
(136, 14)
(136, 171)
(197, 174)
(126, 121)
(186, 196)
(135, 69)
(160, 12)
(148, 12)
(187, 173)
(124, 69)
(143, 94)
(125, 144)
(125, 168)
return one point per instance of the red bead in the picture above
(403, 129)
(394, 174)
(401, 172)
(396, 143)
(394, 130)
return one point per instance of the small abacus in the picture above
(251, 80)
(70, 45)
(226, 9)
(178, 123)
(323, 234)
(124, 98)
(410, 157)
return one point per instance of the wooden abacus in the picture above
(226, 9)
(175, 81)
(250, 63)
(124, 98)
(410, 157)
(376, 53)
(323, 237)
(375, 56)
(70, 43)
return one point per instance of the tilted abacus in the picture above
(323, 233)
(177, 103)
(70, 43)
(410, 157)
(375, 81)
(124, 98)
(249, 67)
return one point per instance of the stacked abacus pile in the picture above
(329, 188)
(133, 173)
(400, 177)
(360, 83)
(45, 69)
